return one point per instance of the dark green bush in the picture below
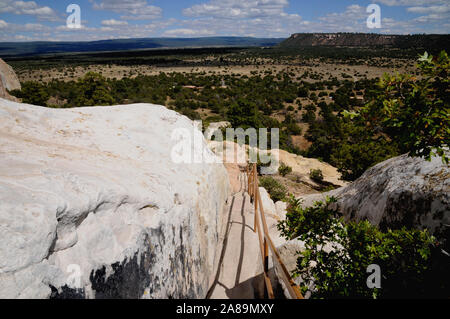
(404, 256)
(284, 169)
(276, 190)
(303, 92)
(32, 93)
(416, 111)
(316, 175)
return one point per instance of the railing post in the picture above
(255, 201)
(266, 266)
(265, 242)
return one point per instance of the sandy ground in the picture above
(322, 70)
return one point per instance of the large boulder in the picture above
(289, 253)
(92, 204)
(402, 191)
(8, 81)
(281, 209)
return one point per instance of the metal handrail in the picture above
(265, 242)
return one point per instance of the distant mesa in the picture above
(366, 40)
(12, 49)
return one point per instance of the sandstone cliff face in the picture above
(338, 39)
(366, 40)
(92, 206)
(8, 81)
(402, 191)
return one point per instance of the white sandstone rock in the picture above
(214, 127)
(267, 202)
(281, 208)
(402, 191)
(94, 192)
(8, 81)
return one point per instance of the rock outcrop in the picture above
(8, 81)
(215, 126)
(267, 203)
(92, 204)
(302, 166)
(401, 191)
(289, 252)
(232, 153)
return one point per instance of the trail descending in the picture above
(240, 255)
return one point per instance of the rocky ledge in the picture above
(92, 205)
(400, 192)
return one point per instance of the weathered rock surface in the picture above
(281, 209)
(8, 81)
(402, 191)
(289, 253)
(267, 203)
(92, 206)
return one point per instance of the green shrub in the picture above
(93, 89)
(284, 169)
(276, 190)
(293, 129)
(316, 175)
(404, 256)
(32, 93)
(414, 111)
(303, 92)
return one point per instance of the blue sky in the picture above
(107, 19)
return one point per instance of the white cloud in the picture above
(188, 33)
(131, 9)
(62, 33)
(21, 37)
(114, 22)
(258, 18)
(262, 18)
(432, 13)
(408, 3)
(431, 9)
(12, 31)
(431, 18)
(238, 9)
(28, 8)
(353, 19)
(65, 28)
